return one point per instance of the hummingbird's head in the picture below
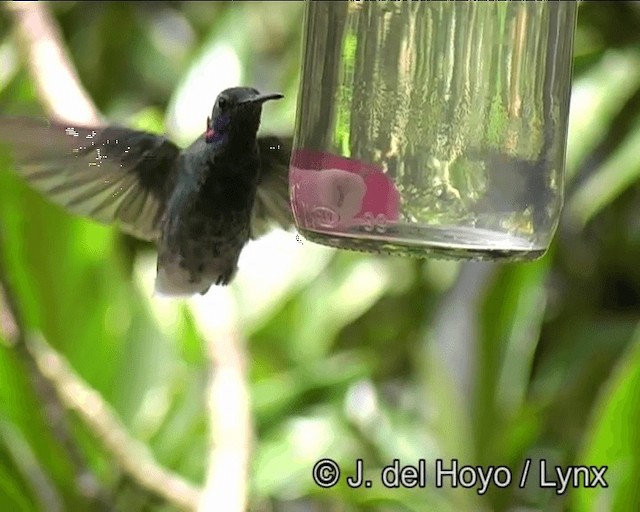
(236, 111)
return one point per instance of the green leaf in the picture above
(613, 440)
(618, 172)
(12, 496)
(597, 97)
(510, 322)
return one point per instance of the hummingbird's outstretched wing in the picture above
(110, 174)
(272, 197)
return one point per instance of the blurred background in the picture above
(113, 399)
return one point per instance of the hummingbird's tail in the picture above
(173, 280)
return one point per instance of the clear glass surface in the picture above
(433, 127)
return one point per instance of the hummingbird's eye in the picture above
(222, 103)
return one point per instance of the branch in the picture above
(228, 404)
(131, 455)
(12, 329)
(52, 70)
(60, 388)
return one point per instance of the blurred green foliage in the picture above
(351, 355)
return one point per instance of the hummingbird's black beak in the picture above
(261, 98)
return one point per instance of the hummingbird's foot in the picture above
(226, 277)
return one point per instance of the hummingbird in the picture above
(200, 205)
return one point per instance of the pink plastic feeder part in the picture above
(333, 192)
